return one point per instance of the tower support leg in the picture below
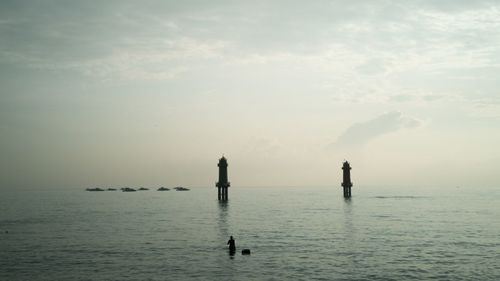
(347, 192)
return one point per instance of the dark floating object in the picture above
(245, 252)
(129, 189)
(94, 189)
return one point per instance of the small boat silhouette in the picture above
(94, 189)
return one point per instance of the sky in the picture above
(153, 93)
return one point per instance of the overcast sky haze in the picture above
(152, 93)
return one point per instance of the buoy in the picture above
(245, 252)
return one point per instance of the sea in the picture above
(293, 233)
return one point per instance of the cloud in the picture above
(361, 133)
(262, 146)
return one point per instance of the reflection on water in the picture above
(222, 219)
(350, 237)
(223, 224)
(348, 217)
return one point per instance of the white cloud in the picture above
(361, 133)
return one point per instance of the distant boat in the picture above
(111, 189)
(127, 189)
(94, 189)
(163, 189)
(143, 188)
(180, 188)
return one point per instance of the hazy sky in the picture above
(151, 93)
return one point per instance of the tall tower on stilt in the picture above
(347, 184)
(223, 183)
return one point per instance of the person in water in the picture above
(232, 244)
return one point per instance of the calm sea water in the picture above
(294, 234)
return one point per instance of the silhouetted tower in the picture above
(223, 184)
(347, 184)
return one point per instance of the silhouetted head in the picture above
(231, 237)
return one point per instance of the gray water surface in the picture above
(294, 234)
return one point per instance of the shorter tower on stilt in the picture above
(347, 184)
(223, 183)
